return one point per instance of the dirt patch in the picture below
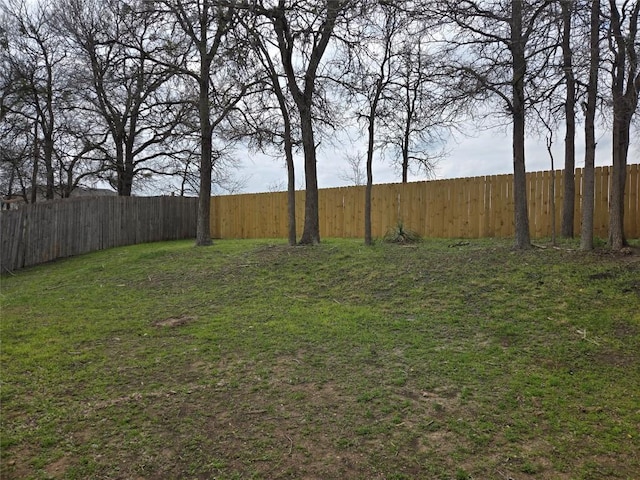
(58, 468)
(174, 322)
(615, 359)
(17, 466)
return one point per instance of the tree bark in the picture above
(618, 181)
(405, 148)
(368, 239)
(568, 205)
(588, 189)
(625, 101)
(291, 192)
(522, 236)
(47, 117)
(203, 226)
(36, 164)
(311, 229)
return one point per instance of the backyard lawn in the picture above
(446, 359)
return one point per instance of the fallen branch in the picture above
(459, 244)
(290, 443)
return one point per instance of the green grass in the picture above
(254, 360)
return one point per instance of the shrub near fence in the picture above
(41, 232)
(465, 207)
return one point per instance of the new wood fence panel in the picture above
(476, 197)
(405, 210)
(464, 209)
(501, 220)
(492, 205)
(422, 206)
(601, 205)
(300, 206)
(468, 198)
(486, 207)
(436, 195)
(215, 220)
(468, 207)
(538, 209)
(354, 221)
(333, 203)
(577, 212)
(417, 206)
(378, 222)
(542, 192)
(328, 204)
(379, 210)
(283, 218)
(559, 196)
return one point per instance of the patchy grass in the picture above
(250, 359)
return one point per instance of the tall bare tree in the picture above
(376, 71)
(200, 36)
(37, 56)
(568, 205)
(498, 43)
(588, 189)
(624, 49)
(303, 30)
(422, 112)
(265, 130)
(123, 86)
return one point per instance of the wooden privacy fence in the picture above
(466, 207)
(41, 232)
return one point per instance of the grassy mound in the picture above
(251, 359)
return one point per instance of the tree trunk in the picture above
(588, 189)
(128, 171)
(625, 101)
(368, 240)
(522, 237)
(288, 153)
(568, 205)
(618, 180)
(288, 139)
(47, 131)
(36, 163)
(127, 178)
(203, 224)
(119, 164)
(291, 195)
(405, 163)
(304, 102)
(311, 230)
(405, 141)
(48, 164)
(291, 177)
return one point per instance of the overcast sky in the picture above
(486, 152)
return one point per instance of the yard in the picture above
(253, 360)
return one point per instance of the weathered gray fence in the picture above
(41, 232)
